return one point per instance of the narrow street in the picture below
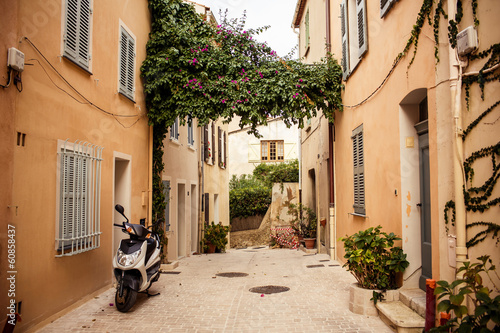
(195, 299)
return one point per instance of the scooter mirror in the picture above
(120, 209)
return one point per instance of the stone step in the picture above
(414, 299)
(400, 318)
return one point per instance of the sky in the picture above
(276, 13)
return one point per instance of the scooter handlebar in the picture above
(118, 225)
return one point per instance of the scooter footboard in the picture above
(131, 279)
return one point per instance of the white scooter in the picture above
(136, 263)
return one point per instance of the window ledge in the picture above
(360, 215)
(191, 147)
(175, 141)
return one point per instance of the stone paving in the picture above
(197, 300)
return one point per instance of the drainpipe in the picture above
(201, 218)
(150, 176)
(331, 138)
(459, 177)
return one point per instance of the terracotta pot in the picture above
(309, 242)
(211, 248)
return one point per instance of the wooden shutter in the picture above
(384, 6)
(166, 192)
(359, 170)
(225, 149)
(127, 60)
(206, 144)
(362, 27)
(307, 29)
(345, 38)
(207, 206)
(213, 143)
(219, 132)
(77, 32)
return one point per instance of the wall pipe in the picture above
(459, 176)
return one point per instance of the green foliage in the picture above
(269, 173)
(194, 68)
(373, 259)
(486, 308)
(304, 220)
(216, 234)
(249, 201)
(244, 181)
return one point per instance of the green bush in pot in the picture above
(373, 259)
(216, 234)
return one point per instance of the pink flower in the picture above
(300, 80)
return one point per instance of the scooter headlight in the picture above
(127, 259)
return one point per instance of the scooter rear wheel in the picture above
(127, 301)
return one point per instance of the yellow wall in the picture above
(46, 284)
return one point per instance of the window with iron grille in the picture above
(79, 198)
(359, 170)
(127, 61)
(77, 32)
(272, 150)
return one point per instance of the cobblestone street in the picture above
(194, 299)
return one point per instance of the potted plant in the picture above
(215, 237)
(304, 223)
(374, 261)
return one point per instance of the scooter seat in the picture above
(151, 245)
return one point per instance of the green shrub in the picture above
(216, 234)
(373, 260)
(269, 173)
(249, 201)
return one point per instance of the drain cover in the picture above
(269, 289)
(170, 272)
(232, 274)
(314, 266)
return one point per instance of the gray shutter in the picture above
(359, 170)
(77, 32)
(213, 143)
(362, 27)
(345, 38)
(384, 6)
(207, 206)
(166, 191)
(127, 60)
(225, 149)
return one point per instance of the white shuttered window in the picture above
(79, 198)
(359, 170)
(385, 5)
(354, 34)
(77, 32)
(127, 62)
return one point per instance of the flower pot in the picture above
(309, 242)
(360, 299)
(211, 248)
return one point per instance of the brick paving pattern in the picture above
(196, 300)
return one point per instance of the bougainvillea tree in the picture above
(200, 69)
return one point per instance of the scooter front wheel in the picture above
(127, 301)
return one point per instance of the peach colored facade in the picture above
(45, 110)
(392, 144)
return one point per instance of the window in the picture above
(126, 61)
(307, 30)
(79, 198)
(272, 151)
(190, 132)
(354, 32)
(174, 130)
(76, 39)
(222, 148)
(385, 5)
(359, 170)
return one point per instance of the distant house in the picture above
(74, 142)
(278, 144)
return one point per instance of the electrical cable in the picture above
(9, 79)
(87, 101)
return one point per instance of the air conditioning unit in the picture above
(15, 59)
(467, 41)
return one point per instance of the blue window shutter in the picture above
(345, 38)
(362, 27)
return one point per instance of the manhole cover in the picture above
(269, 289)
(232, 274)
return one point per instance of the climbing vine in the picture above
(195, 68)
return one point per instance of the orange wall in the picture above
(46, 284)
